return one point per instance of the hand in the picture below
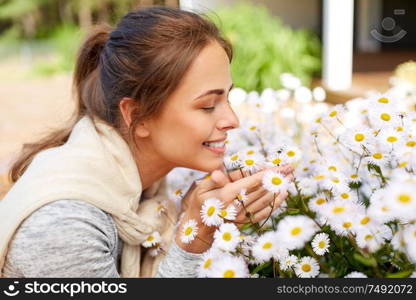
(226, 187)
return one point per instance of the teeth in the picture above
(214, 144)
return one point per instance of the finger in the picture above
(286, 169)
(254, 195)
(248, 183)
(262, 202)
(265, 212)
(215, 180)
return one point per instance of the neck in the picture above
(151, 167)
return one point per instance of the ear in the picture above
(126, 107)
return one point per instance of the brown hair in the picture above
(143, 58)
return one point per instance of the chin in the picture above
(209, 166)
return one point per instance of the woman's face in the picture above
(191, 129)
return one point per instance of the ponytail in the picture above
(87, 92)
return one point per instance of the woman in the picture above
(152, 96)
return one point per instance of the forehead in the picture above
(209, 70)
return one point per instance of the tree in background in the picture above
(39, 18)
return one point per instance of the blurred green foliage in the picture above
(264, 47)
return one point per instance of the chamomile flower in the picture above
(208, 257)
(228, 266)
(189, 231)
(291, 155)
(265, 247)
(251, 163)
(274, 182)
(307, 267)
(377, 158)
(335, 112)
(383, 117)
(210, 212)
(338, 208)
(229, 213)
(358, 138)
(295, 231)
(316, 202)
(389, 138)
(401, 197)
(355, 275)
(288, 262)
(241, 197)
(227, 237)
(161, 208)
(232, 161)
(320, 243)
(151, 240)
(308, 186)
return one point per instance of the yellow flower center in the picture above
(253, 127)
(333, 113)
(385, 117)
(188, 230)
(364, 220)
(234, 157)
(296, 230)
(226, 236)
(240, 197)
(320, 201)
(223, 213)
(411, 143)
(321, 244)
(383, 100)
(249, 162)
(249, 152)
(347, 224)
(402, 165)
(359, 137)
(338, 209)
(318, 120)
(207, 263)
(277, 161)
(353, 176)
(150, 238)
(378, 155)
(291, 153)
(391, 139)
(229, 274)
(177, 192)
(345, 195)
(335, 180)
(399, 129)
(368, 237)
(319, 177)
(306, 268)
(276, 181)
(267, 245)
(210, 211)
(332, 168)
(404, 198)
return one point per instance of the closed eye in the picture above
(208, 108)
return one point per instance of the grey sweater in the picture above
(71, 238)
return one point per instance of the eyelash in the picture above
(209, 109)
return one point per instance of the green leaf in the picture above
(366, 261)
(402, 274)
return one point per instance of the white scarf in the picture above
(95, 165)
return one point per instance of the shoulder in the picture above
(64, 237)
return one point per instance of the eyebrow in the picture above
(215, 91)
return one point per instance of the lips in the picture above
(217, 146)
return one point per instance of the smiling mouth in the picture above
(216, 147)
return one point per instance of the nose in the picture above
(229, 120)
